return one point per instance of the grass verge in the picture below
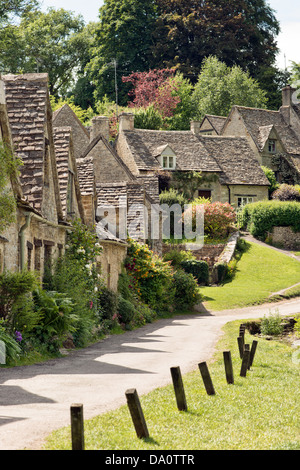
(260, 272)
(260, 411)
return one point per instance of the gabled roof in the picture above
(112, 151)
(29, 113)
(65, 159)
(217, 122)
(190, 153)
(65, 116)
(236, 159)
(255, 119)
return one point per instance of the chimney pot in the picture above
(195, 127)
(126, 122)
(287, 95)
(100, 125)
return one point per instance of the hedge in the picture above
(198, 268)
(260, 217)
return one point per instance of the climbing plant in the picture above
(7, 200)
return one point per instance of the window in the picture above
(168, 162)
(272, 146)
(204, 193)
(243, 200)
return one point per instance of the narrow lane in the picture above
(35, 400)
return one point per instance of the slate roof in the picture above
(230, 157)
(86, 176)
(190, 153)
(27, 100)
(256, 119)
(217, 122)
(62, 143)
(236, 159)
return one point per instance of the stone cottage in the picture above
(70, 194)
(101, 169)
(272, 135)
(230, 170)
(38, 235)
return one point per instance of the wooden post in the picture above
(252, 352)
(206, 378)
(240, 341)
(228, 367)
(77, 427)
(245, 361)
(178, 388)
(136, 412)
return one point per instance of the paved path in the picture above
(35, 400)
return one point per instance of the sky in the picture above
(286, 11)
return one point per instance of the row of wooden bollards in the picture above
(133, 401)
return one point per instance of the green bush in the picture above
(186, 290)
(12, 350)
(198, 268)
(57, 319)
(271, 325)
(126, 311)
(222, 270)
(108, 302)
(286, 192)
(13, 288)
(260, 217)
(176, 257)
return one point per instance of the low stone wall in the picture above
(208, 253)
(224, 258)
(285, 237)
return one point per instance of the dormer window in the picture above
(166, 157)
(272, 146)
(168, 162)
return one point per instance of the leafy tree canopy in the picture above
(124, 35)
(238, 32)
(220, 87)
(55, 42)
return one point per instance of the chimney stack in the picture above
(126, 122)
(100, 125)
(287, 95)
(195, 127)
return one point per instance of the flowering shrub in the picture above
(286, 192)
(218, 218)
(156, 282)
(150, 277)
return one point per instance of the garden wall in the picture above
(208, 253)
(285, 237)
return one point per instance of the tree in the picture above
(10, 8)
(238, 32)
(123, 37)
(55, 42)
(160, 98)
(220, 87)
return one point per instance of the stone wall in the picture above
(111, 261)
(208, 253)
(286, 238)
(40, 241)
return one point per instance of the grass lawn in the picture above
(258, 412)
(261, 271)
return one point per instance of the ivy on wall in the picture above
(8, 167)
(286, 171)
